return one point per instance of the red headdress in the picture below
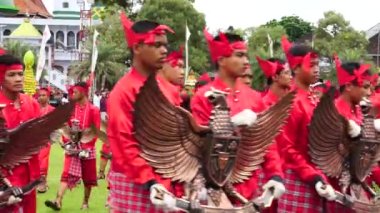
(269, 68)
(294, 61)
(344, 77)
(47, 89)
(374, 79)
(133, 38)
(174, 57)
(222, 48)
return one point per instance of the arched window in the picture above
(78, 39)
(7, 32)
(51, 40)
(60, 37)
(71, 40)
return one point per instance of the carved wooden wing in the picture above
(165, 134)
(328, 139)
(256, 139)
(28, 138)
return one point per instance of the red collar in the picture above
(221, 85)
(346, 109)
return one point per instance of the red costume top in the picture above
(46, 110)
(270, 98)
(346, 110)
(293, 142)
(29, 109)
(87, 115)
(243, 97)
(125, 149)
(172, 90)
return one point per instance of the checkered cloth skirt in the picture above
(128, 197)
(299, 197)
(75, 169)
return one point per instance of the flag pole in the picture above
(187, 36)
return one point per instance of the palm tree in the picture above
(18, 49)
(110, 65)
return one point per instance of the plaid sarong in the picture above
(128, 197)
(299, 197)
(75, 169)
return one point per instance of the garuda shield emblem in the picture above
(212, 157)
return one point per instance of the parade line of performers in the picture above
(296, 183)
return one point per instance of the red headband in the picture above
(269, 68)
(294, 61)
(4, 68)
(222, 48)
(174, 57)
(344, 77)
(374, 79)
(47, 89)
(2, 51)
(133, 38)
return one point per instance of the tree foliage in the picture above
(294, 26)
(176, 13)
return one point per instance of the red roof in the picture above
(32, 7)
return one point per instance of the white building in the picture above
(63, 47)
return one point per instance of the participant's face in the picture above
(284, 78)
(43, 96)
(247, 77)
(357, 93)
(236, 64)
(153, 55)
(310, 76)
(174, 75)
(14, 80)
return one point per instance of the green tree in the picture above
(335, 35)
(176, 13)
(112, 52)
(294, 26)
(19, 48)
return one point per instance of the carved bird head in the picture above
(217, 98)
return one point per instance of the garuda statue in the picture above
(211, 158)
(18, 145)
(349, 159)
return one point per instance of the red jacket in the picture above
(270, 98)
(293, 142)
(125, 149)
(29, 109)
(242, 97)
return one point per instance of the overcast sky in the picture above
(362, 14)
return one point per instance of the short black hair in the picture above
(270, 80)
(350, 67)
(143, 26)
(8, 59)
(300, 50)
(231, 38)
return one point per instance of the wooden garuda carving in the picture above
(340, 156)
(213, 157)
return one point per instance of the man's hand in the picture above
(353, 129)
(326, 191)
(162, 198)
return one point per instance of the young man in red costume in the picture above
(354, 81)
(19, 108)
(306, 185)
(229, 54)
(172, 75)
(320, 88)
(133, 182)
(82, 164)
(45, 108)
(278, 77)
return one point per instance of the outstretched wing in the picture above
(328, 139)
(256, 139)
(168, 141)
(28, 138)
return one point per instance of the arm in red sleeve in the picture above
(200, 108)
(290, 143)
(125, 149)
(272, 165)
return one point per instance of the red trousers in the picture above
(88, 171)
(44, 159)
